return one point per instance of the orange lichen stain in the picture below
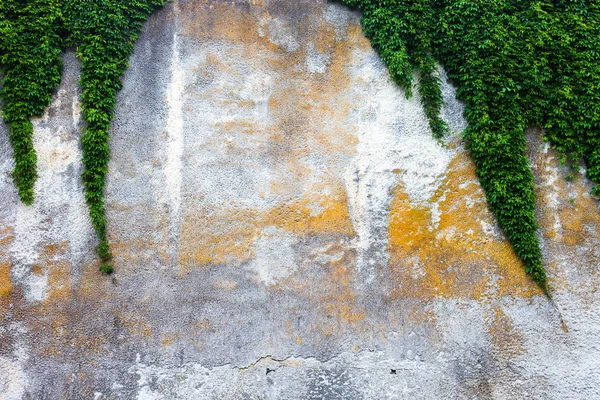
(505, 337)
(323, 215)
(55, 262)
(169, 338)
(63, 322)
(339, 300)
(223, 236)
(5, 281)
(229, 235)
(62, 332)
(203, 325)
(137, 251)
(574, 224)
(291, 332)
(135, 324)
(37, 270)
(324, 37)
(456, 258)
(5, 237)
(288, 131)
(59, 280)
(222, 21)
(224, 285)
(92, 287)
(579, 221)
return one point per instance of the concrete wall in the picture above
(284, 227)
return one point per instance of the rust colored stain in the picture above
(6, 286)
(55, 258)
(218, 21)
(5, 282)
(304, 113)
(457, 258)
(338, 296)
(228, 235)
(134, 323)
(572, 218)
(505, 337)
(335, 293)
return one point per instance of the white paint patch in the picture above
(174, 163)
(274, 256)
(339, 17)
(452, 110)
(23, 248)
(489, 229)
(76, 111)
(36, 287)
(363, 374)
(316, 62)
(258, 88)
(279, 32)
(227, 158)
(436, 216)
(12, 380)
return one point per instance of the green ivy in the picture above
(30, 47)
(32, 35)
(517, 64)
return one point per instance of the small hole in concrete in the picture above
(393, 371)
(269, 370)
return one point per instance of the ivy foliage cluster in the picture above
(517, 64)
(33, 33)
(30, 48)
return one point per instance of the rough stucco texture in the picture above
(284, 227)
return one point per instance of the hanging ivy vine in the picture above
(517, 64)
(32, 35)
(30, 47)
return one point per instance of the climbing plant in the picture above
(517, 64)
(32, 35)
(29, 56)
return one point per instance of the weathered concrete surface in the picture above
(284, 227)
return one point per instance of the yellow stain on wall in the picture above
(505, 337)
(134, 322)
(55, 258)
(227, 236)
(5, 282)
(458, 258)
(6, 287)
(307, 113)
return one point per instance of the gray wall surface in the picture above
(284, 227)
